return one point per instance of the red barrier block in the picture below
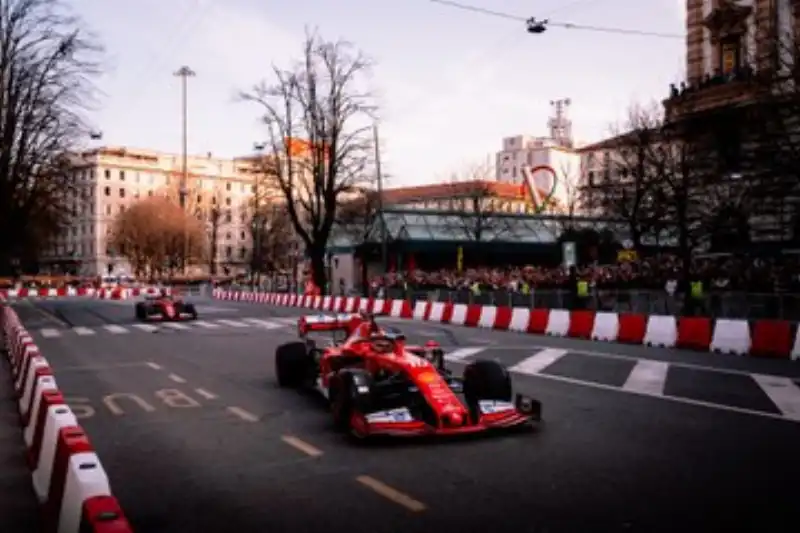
(502, 318)
(632, 328)
(473, 315)
(383, 309)
(103, 514)
(406, 311)
(694, 333)
(71, 441)
(34, 433)
(31, 390)
(538, 321)
(354, 307)
(772, 338)
(447, 313)
(581, 324)
(426, 314)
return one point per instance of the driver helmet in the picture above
(382, 344)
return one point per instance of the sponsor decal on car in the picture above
(488, 407)
(392, 415)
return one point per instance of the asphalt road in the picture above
(195, 434)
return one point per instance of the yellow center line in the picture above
(392, 494)
(301, 445)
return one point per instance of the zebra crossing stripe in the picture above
(204, 324)
(83, 331)
(232, 323)
(146, 327)
(50, 333)
(113, 328)
(266, 324)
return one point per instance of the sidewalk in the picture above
(19, 510)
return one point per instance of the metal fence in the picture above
(716, 304)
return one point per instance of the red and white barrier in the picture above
(66, 474)
(112, 293)
(758, 338)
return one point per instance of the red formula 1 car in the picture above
(165, 308)
(379, 385)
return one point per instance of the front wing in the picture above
(156, 315)
(495, 415)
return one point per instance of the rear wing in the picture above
(322, 323)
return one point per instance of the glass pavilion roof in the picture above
(446, 226)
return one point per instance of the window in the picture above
(729, 58)
(108, 191)
(228, 252)
(228, 236)
(228, 216)
(227, 201)
(149, 193)
(121, 175)
(242, 235)
(122, 192)
(108, 210)
(242, 252)
(122, 209)
(108, 174)
(228, 186)
(200, 199)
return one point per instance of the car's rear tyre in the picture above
(291, 364)
(141, 312)
(486, 380)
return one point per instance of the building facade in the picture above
(109, 179)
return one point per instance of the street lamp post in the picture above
(184, 73)
(258, 219)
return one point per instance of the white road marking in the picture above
(463, 353)
(149, 328)
(245, 415)
(83, 331)
(392, 494)
(232, 323)
(176, 378)
(534, 364)
(266, 324)
(49, 333)
(301, 445)
(175, 325)
(648, 377)
(205, 394)
(286, 321)
(113, 328)
(154, 366)
(204, 324)
(783, 392)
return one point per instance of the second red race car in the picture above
(165, 307)
(377, 384)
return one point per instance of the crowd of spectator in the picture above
(664, 272)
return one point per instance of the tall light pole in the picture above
(184, 73)
(258, 219)
(381, 216)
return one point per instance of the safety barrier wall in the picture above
(757, 338)
(67, 475)
(117, 293)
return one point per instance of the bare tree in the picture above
(46, 67)
(318, 119)
(476, 204)
(628, 186)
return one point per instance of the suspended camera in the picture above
(536, 26)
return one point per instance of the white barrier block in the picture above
(363, 305)
(606, 326)
(557, 322)
(377, 305)
(43, 384)
(661, 331)
(437, 311)
(488, 315)
(58, 417)
(30, 383)
(520, 318)
(419, 310)
(459, 314)
(731, 336)
(350, 305)
(796, 349)
(86, 479)
(28, 351)
(326, 303)
(317, 304)
(397, 308)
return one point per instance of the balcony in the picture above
(734, 89)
